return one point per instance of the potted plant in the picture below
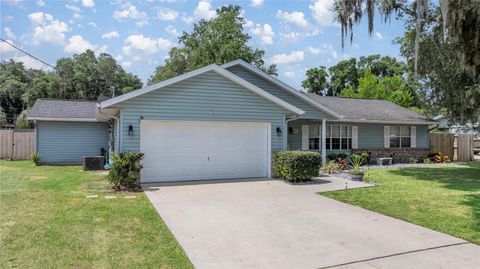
(356, 160)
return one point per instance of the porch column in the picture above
(324, 141)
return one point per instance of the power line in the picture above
(45, 63)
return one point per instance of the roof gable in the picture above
(213, 67)
(281, 85)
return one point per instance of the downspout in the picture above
(118, 128)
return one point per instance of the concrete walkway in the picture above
(271, 224)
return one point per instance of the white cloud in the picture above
(4, 47)
(295, 17)
(313, 50)
(88, 3)
(109, 35)
(76, 44)
(94, 25)
(126, 64)
(72, 8)
(172, 30)
(322, 12)
(39, 18)
(265, 33)
(47, 29)
(355, 46)
(289, 74)
(9, 33)
(129, 11)
(167, 14)
(204, 10)
(139, 44)
(294, 56)
(7, 18)
(40, 3)
(292, 36)
(77, 16)
(378, 36)
(248, 23)
(187, 19)
(256, 3)
(29, 62)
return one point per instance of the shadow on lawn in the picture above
(462, 178)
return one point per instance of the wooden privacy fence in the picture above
(17, 144)
(456, 146)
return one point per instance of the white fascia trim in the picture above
(387, 122)
(282, 85)
(212, 67)
(63, 119)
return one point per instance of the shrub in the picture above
(340, 158)
(297, 165)
(330, 167)
(357, 160)
(413, 160)
(125, 170)
(427, 161)
(35, 157)
(335, 156)
(439, 157)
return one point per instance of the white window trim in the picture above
(329, 136)
(317, 126)
(400, 136)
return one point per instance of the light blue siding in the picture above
(68, 142)
(273, 89)
(370, 136)
(207, 97)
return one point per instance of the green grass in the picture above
(46, 221)
(444, 199)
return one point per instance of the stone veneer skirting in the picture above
(402, 155)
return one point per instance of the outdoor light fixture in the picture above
(290, 130)
(130, 130)
(279, 131)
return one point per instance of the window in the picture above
(400, 136)
(339, 137)
(313, 137)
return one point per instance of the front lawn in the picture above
(445, 199)
(47, 221)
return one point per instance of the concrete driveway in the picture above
(270, 224)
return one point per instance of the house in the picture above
(221, 122)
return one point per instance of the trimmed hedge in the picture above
(296, 165)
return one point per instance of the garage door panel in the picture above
(176, 151)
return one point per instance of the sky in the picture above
(296, 35)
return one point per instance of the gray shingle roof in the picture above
(66, 109)
(368, 109)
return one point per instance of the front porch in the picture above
(320, 135)
(402, 142)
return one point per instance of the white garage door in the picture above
(195, 150)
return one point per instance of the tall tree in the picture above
(15, 79)
(346, 74)
(447, 88)
(391, 88)
(219, 40)
(316, 81)
(342, 75)
(83, 76)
